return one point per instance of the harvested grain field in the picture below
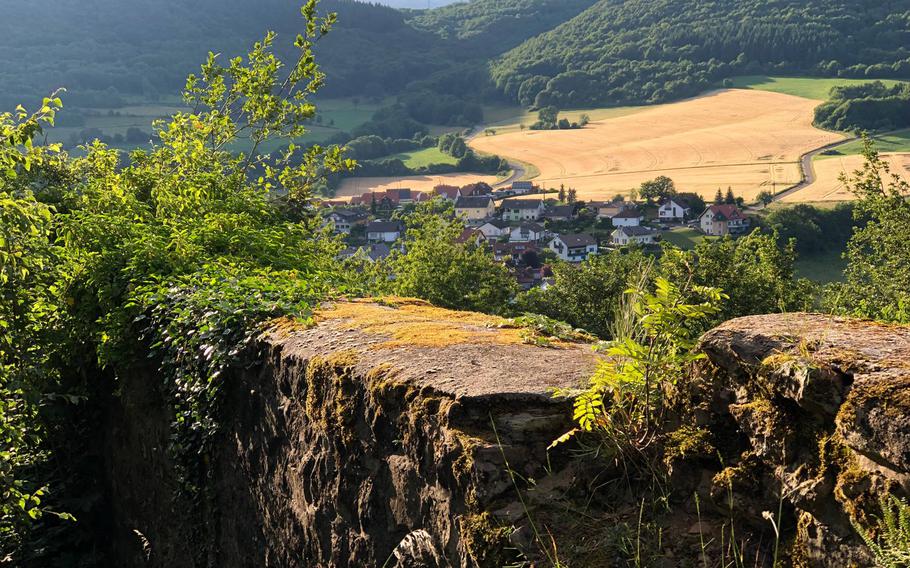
(828, 169)
(358, 186)
(745, 139)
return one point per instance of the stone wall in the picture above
(380, 435)
(821, 406)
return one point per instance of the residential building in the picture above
(522, 187)
(470, 235)
(343, 220)
(402, 196)
(574, 247)
(447, 192)
(528, 277)
(623, 236)
(477, 188)
(494, 229)
(511, 252)
(526, 233)
(720, 220)
(384, 231)
(371, 253)
(630, 217)
(475, 208)
(673, 209)
(559, 213)
(390, 199)
(522, 209)
(607, 209)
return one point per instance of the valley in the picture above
(743, 139)
(749, 138)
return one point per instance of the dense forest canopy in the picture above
(104, 50)
(869, 107)
(498, 25)
(634, 51)
(540, 52)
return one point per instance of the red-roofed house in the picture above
(447, 192)
(719, 220)
(390, 198)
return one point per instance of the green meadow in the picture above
(807, 87)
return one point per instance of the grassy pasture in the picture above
(424, 157)
(816, 88)
(684, 237)
(895, 142)
(823, 267)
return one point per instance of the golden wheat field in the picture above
(745, 139)
(358, 186)
(827, 185)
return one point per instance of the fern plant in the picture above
(891, 548)
(654, 339)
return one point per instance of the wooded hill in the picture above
(536, 52)
(634, 51)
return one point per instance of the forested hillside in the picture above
(105, 50)
(495, 26)
(634, 51)
(565, 53)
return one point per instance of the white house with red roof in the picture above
(720, 220)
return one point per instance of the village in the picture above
(528, 228)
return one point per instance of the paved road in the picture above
(518, 170)
(808, 170)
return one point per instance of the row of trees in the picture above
(548, 119)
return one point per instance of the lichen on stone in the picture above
(687, 442)
(330, 392)
(483, 539)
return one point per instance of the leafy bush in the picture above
(186, 248)
(878, 273)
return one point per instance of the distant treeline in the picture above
(871, 107)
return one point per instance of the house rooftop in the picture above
(468, 234)
(473, 202)
(384, 226)
(676, 200)
(560, 211)
(578, 240)
(350, 213)
(499, 224)
(630, 213)
(725, 212)
(637, 231)
(522, 203)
